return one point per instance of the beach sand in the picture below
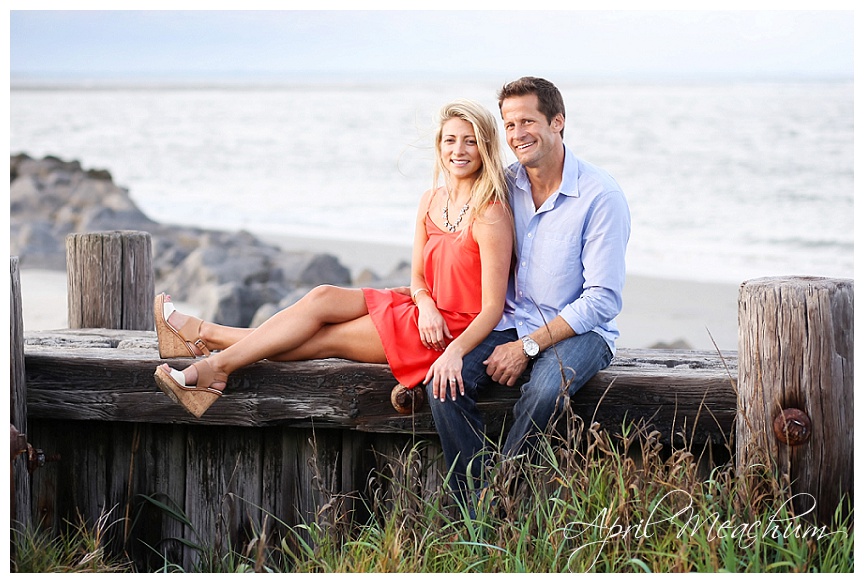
(655, 310)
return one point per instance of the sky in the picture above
(189, 44)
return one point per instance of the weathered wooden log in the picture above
(19, 476)
(225, 480)
(110, 280)
(107, 375)
(795, 389)
(287, 440)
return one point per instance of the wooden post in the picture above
(110, 280)
(795, 366)
(19, 478)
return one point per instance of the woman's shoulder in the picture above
(426, 200)
(429, 195)
(495, 211)
(493, 226)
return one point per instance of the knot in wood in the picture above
(18, 441)
(792, 426)
(405, 400)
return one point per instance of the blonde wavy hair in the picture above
(490, 186)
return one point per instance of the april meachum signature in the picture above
(780, 525)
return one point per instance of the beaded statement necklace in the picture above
(445, 214)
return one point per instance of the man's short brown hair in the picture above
(549, 99)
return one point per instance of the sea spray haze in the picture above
(726, 181)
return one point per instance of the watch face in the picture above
(530, 347)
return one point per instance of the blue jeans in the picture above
(461, 426)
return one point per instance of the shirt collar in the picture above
(569, 180)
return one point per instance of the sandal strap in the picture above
(190, 330)
(207, 376)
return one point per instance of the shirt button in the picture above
(530, 235)
(523, 264)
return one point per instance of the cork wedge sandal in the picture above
(195, 399)
(174, 343)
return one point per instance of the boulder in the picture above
(399, 277)
(228, 275)
(57, 198)
(40, 242)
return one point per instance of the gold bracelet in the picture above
(417, 291)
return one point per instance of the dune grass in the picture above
(615, 504)
(621, 503)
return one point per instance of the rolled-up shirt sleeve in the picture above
(607, 231)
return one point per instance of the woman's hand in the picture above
(446, 375)
(434, 333)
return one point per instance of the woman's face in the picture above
(460, 155)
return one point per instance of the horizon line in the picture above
(74, 80)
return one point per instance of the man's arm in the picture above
(600, 301)
(605, 245)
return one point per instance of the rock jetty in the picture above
(229, 276)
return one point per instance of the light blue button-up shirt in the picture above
(569, 252)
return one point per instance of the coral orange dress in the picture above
(452, 271)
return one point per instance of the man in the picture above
(572, 225)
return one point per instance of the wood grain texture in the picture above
(110, 281)
(288, 443)
(107, 375)
(796, 351)
(20, 480)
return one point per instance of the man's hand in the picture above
(507, 363)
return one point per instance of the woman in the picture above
(460, 264)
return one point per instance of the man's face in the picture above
(528, 133)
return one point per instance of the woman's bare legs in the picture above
(216, 336)
(328, 322)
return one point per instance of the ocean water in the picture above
(725, 181)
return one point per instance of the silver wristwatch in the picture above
(530, 347)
